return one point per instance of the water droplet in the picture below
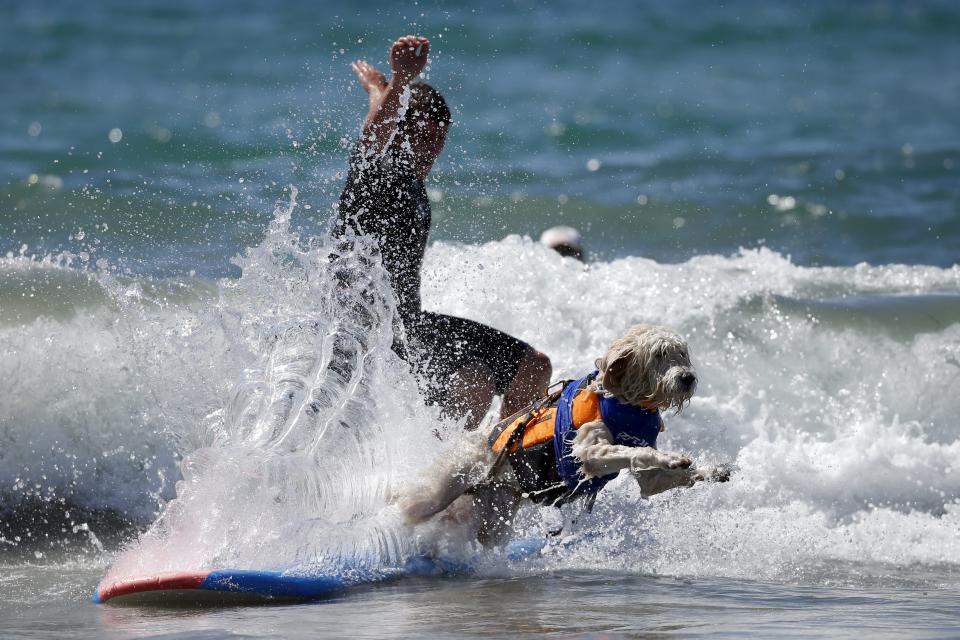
(555, 129)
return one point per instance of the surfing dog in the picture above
(573, 441)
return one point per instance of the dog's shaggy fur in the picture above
(650, 367)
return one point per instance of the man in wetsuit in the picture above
(462, 364)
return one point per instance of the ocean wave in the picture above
(829, 389)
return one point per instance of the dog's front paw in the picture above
(666, 460)
(719, 473)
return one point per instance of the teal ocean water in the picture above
(779, 182)
(821, 131)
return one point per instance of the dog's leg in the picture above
(495, 504)
(593, 446)
(654, 481)
(448, 479)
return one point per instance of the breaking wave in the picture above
(265, 422)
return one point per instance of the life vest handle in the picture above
(517, 435)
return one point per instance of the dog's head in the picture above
(649, 366)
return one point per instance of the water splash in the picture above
(297, 422)
(306, 454)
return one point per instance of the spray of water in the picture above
(298, 469)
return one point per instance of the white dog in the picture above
(572, 442)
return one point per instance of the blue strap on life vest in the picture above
(629, 425)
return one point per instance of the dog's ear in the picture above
(612, 367)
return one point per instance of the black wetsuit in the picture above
(385, 200)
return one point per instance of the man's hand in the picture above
(370, 79)
(408, 56)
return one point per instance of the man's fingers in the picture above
(360, 70)
(365, 69)
(421, 46)
(412, 43)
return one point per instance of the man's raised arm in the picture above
(408, 56)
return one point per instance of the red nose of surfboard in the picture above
(161, 581)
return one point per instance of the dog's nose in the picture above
(688, 379)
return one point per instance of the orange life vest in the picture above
(538, 440)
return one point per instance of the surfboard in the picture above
(245, 584)
(264, 584)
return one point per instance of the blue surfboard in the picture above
(228, 584)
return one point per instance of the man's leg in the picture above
(485, 362)
(531, 380)
(470, 393)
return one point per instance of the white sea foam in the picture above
(843, 432)
(841, 425)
